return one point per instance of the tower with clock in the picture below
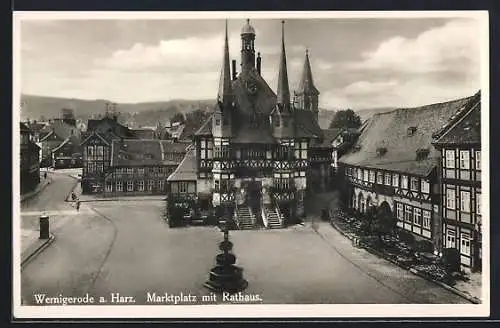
(253, 157)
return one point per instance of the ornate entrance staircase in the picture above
(273, 216)
(245, 218)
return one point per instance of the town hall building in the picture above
(254, 158)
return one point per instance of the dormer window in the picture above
(381, 151)
(422, 154)
(412, 130)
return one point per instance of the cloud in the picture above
(439, 64)
(453, 46)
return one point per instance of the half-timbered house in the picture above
(393, 166)
(141, 166)
(459, 143)
(251, 158)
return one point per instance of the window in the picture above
(150, 185)
(465, 243)
(427, 219)
(365, 175)
(90, 151)
(395, 180)
(372, 176)
(119, 185)
(450, 159)
(140, 185)
(478, 160)
(465, 201)
(161, 184)
(130, 170)
(400, 211)
(140, 170)
(478, 203)
(404, 182)
(414, 184)
(450, 238)
(450, 199)
(183, 187)
(408, 213)
(417, 216)
(464, 159)
(424, 186)
(130, 185)
(388, 179)
(99, 167)
(109, 186)
(276, 121)
(217, 121)
(380, 178)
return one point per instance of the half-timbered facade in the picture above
(96, 148)
(393, 166)
(141, 166)
(459, 143)
(251, 159)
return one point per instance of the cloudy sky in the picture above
(357, 63)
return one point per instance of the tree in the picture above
(178, 117)
(345, 119)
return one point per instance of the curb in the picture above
(469, 298)
(39, 250)
(119, 199)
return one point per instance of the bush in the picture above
(451, 260)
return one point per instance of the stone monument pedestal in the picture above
(226, 276)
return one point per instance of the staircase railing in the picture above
(235, 215)
(252, 216)
(264, 214)
(278, 213)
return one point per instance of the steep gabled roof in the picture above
(206, 128)
(464, 127)
(186, 171)
(143, 152)
(75, 141)
(390, 130)
(60, 128)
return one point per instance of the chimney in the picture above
(259, 61)
(233, 63)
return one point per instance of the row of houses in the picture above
(422, 167)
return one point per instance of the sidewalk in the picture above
(43, 183)
(31, 245)
(470, 290)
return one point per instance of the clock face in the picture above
(251, 86)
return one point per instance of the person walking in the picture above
(77, 205)
(45, 175)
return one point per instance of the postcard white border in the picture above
(261, 310)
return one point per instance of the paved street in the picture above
(126, 247)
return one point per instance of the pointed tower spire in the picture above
(306, 84)
(283, 88)
(225, 90)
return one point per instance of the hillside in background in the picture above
(141, 114)
(35, 107)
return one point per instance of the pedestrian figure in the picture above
(73, 196)
(45, 175)
(77, 205)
